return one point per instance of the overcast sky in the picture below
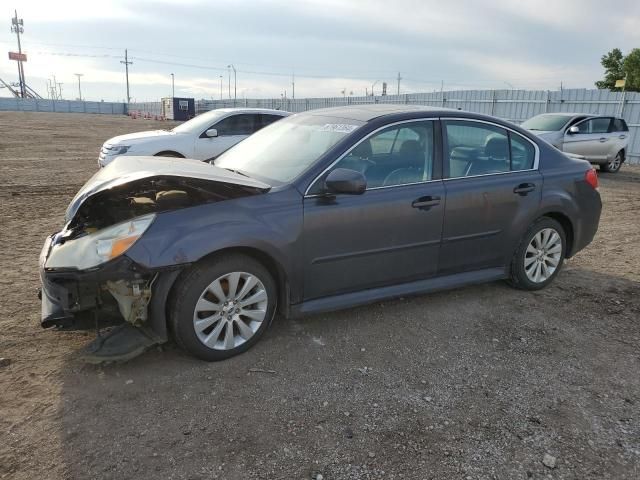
(330, 45)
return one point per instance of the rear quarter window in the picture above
(619, 125)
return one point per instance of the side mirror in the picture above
(212, 132)
(343, 180)
(573, 130)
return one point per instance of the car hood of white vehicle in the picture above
(140, 137)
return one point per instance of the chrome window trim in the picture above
(536, 159)
(413, 120)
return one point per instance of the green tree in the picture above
(631, 68)
(617, 66)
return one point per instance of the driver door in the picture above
(593, 139)
(388, 235)
(231, 130)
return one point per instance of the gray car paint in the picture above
(344, 250)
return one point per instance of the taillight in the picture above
(591, 177)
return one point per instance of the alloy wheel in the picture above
(230, 310)
(614, 164)
(543, 255)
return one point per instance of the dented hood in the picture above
(128, 169)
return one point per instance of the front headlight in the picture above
(99, 247)
(119, 149)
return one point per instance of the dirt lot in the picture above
(474, 383)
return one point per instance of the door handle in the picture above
(603, 139)
(524, 188)
(622, 137)
(425, 202)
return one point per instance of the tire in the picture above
(169, 154)
(207, 327)
(528, 255)
(614, 165)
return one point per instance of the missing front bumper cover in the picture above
(72, 300)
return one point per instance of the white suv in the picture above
(204, 137)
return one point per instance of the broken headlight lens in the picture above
(114, 241)
(99, 247)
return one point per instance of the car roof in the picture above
(573, 115)
(365, 113)
(272, 111)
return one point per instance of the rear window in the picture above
(619, 125)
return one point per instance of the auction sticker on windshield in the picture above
(338, 127)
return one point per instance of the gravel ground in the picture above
(475, 383)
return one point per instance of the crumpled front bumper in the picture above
(77, 300)
(66, 293)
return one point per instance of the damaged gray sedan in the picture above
(319, 211)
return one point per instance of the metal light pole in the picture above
(373, 85)
(79, 88)
(229, 76)
(173, 86)
(17, 26)
(220, 87)
(126, 69)
(235, 83)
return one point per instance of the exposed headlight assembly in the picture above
(99, 247)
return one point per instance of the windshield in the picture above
(200, 123)
(547, 123)
(286, 148)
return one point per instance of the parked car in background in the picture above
(323, 210)
(601, 140)
(203, 137)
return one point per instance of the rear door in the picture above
(492, 185)
(619, 137)
(593, 140)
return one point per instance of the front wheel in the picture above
(221, 307)
(614, 165)
(540, 255)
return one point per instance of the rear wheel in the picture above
(614, 165)
(540, 255)
(221, 307)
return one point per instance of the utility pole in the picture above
(126, 69)
(173, 86)
(220, 87)
(60, 90)
(79, 88)
(293, 86)
(17, 26)
(399, 78)
(229, 78)
(235, 83)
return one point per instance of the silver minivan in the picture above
(600, 139)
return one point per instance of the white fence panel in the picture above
(512, 105)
